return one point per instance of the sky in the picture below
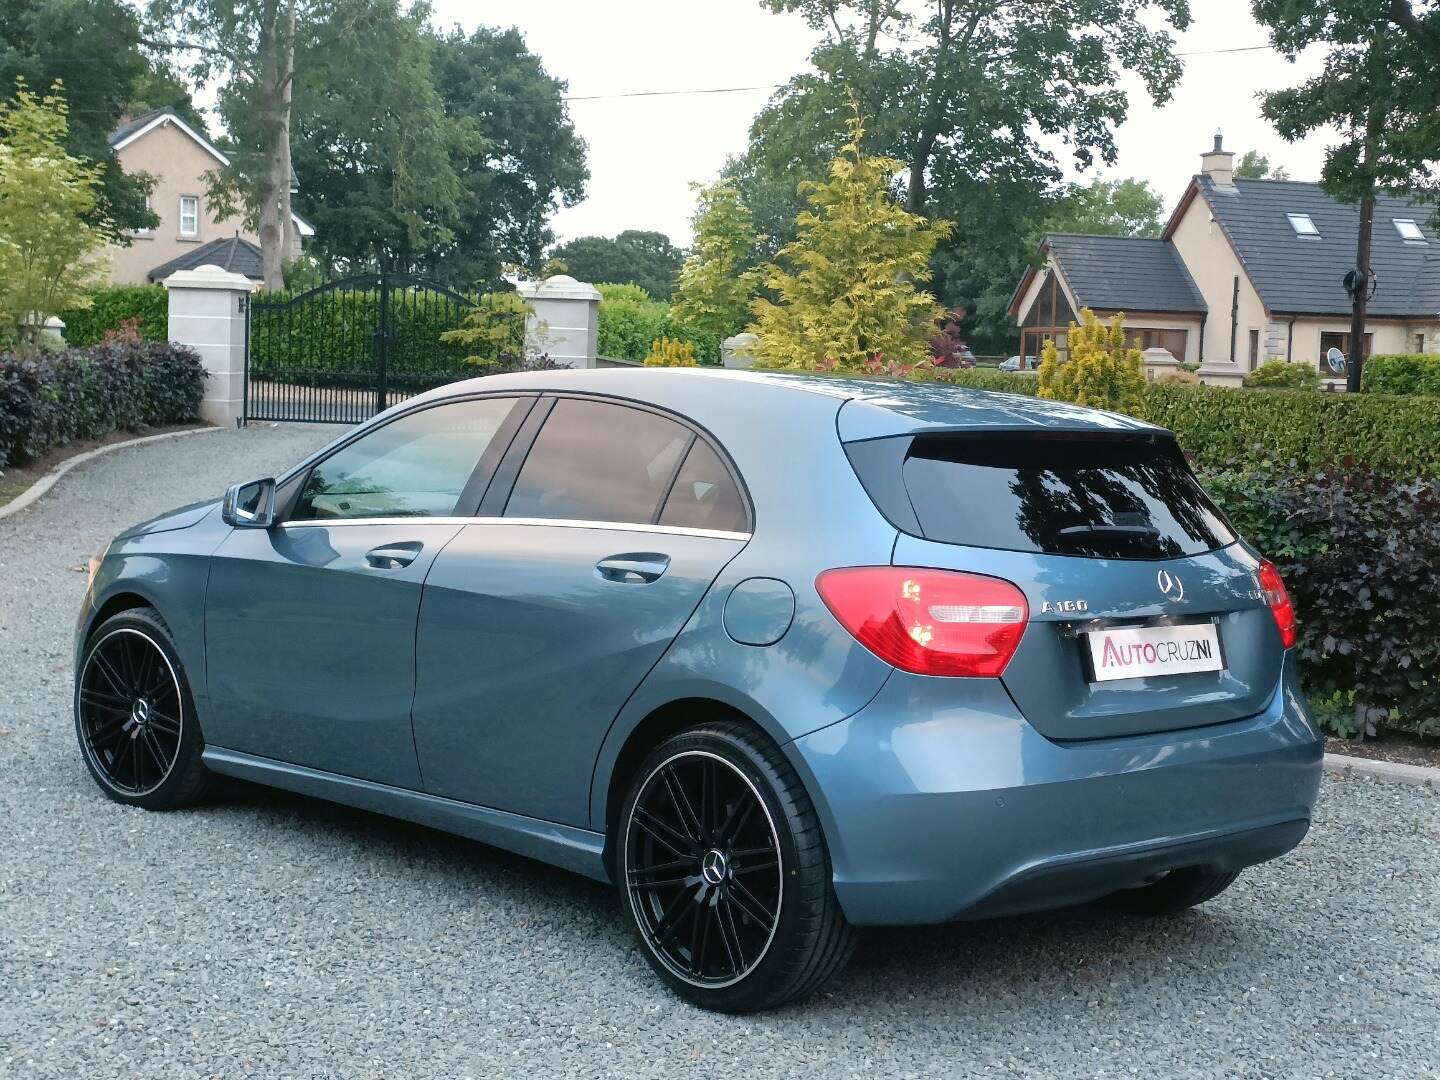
(644, 152)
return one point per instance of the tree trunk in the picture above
(1361, 296)
(287, 76)
(271, 230)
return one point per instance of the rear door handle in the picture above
(393, 556)
(633, 568)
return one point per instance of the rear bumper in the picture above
(940, 802)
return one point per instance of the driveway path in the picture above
(269, 935)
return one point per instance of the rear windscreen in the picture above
(1122, 498)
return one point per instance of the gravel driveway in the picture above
(269, 935)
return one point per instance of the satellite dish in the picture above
(1336, 359)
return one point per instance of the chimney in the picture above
(1216, 164)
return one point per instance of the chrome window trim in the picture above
(561, 523)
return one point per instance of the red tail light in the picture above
(1278, 597)
(928, 622)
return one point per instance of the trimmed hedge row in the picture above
(1358, 550)
(1405, 373)
(330, 338)
(120, 385)
(113, 306)
(1220, 427)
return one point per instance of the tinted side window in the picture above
(415, 466)
(1076, 495)
(593, 461)
(704, 495)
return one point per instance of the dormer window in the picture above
(1409, 230)
(1303, 225)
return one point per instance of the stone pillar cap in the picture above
(559, 287)
(209, 276)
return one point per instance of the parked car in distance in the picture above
(1013, 364)
(779, 656)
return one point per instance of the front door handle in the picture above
(393, 556)
(633, 568)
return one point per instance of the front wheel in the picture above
(134, 715)
(725, 872)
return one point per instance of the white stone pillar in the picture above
(207, 313)
(566, 319)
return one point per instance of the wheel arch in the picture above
(608, 790)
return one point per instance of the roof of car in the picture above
(870, 407)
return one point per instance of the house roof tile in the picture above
(233, 253)
(1125, 273)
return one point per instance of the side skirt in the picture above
(561, 845)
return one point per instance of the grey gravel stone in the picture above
(268, 935)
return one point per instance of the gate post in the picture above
(382, 340)
(566, 319)
(208, 314)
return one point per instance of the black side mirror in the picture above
(250, 506)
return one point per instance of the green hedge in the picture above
(110, 307)
(119, 385)
(630, 321)
(330, 339)
(1405, 373)
(1221, 427)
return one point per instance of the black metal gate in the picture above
(344, 351)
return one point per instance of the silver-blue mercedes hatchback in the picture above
(780, 656)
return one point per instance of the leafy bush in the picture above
(1414, 373)
(630, 321)
(1179, 377)
(113, 306)
(494, 329)
(1358, 550)
(122, 384)
(667, 352)
(1281, 374)
(1100, 371)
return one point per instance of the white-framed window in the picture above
(189, 215)
(1303, 225)
(148, 208)
(1409, 230)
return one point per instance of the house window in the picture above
(1409, 230)
(1172, 341)
(148, 209)
(189, 215)
(1254, 349)
(1420, 342)
(1303, 225)
(1336, 340)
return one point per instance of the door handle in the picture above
(393, 556)
(634, 568)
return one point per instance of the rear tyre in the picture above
(1175, 892)
(724, 871)
(135, 717)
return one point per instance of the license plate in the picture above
(1137, 651)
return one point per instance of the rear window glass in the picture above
(1097, 497)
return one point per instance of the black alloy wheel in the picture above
(134, 716)
(725, 872)
(702, 867)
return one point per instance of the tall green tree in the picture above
(719, 278)
(634, 257)
(249, 47)
(50, 243)
(1379, 88)
(974, 96)
(1254, 165)
(379, 158)
(530, 163)
(94, 48)
(853, 295)
(1103, 207)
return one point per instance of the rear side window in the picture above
(593, 461)
(704, 496)
(1122, 498)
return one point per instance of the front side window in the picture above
(416, 466)
(594, 461)
(189, 215)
